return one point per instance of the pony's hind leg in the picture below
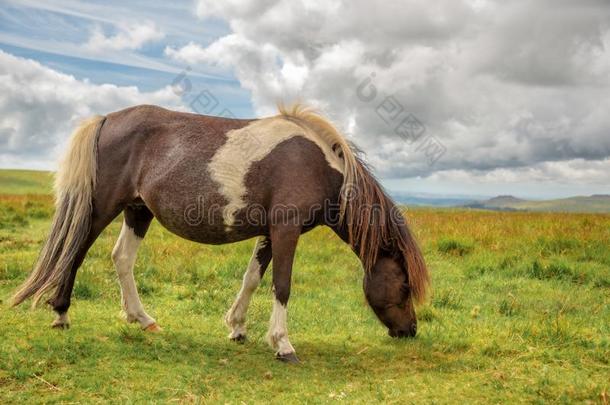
(136, 223)
(236, 316)
(62, 298)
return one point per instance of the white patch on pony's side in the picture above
(236, 316)
(246, 146)
(124, 258)
(277, 336)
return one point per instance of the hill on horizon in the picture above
(599, 203)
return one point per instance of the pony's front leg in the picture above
(284, 240)
(236, 316)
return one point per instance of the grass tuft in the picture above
(84, 291)
(508, 306)
(454, 247)
(447, 298)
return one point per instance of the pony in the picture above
(217, 180)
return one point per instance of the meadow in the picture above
(519, 312)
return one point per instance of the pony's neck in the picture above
(341, 230)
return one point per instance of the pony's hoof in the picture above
(61, 322)
(60, 325)
(154, 328)
(238, 338)
(288, 358)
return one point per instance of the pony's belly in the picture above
(194, 210)
(208, 230)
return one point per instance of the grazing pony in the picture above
(217, 180)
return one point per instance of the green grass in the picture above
(25, 182)
(519, 312)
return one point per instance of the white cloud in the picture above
(569, 171)
(129, 37)
(503, 85)
(65, 27)
(39, 107)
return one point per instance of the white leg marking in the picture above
(61, 321)
(236, 316)
(124, 257)
(277, 336)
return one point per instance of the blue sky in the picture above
(53, 33)
(513, 97)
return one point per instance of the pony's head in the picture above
(387, 291)
(395, 275)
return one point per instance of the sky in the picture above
(443, 97)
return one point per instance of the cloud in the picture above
(567, 172)
(39, 107)
(96, 30)
(129, 37)
(500, 85)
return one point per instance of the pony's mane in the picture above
(373, 221)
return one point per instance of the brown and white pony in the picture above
(216, 180)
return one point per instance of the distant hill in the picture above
(504, 201)
(431, 201)
(25, 182)
(434, 200)
(594, 203)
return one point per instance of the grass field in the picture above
(519, 312)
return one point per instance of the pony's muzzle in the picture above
(411, 331)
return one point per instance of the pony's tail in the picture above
(74, 184)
